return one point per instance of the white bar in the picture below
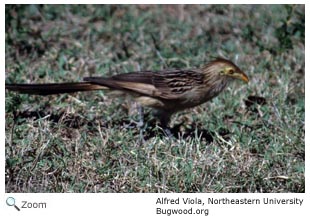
(144, 205)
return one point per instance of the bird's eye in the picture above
(231, 71)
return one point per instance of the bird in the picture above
(167, 91)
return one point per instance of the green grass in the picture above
(87, 142)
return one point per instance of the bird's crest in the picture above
(221, 60)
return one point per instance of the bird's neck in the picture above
(214, 86)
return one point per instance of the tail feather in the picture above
(56, 88)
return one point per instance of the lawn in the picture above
(251, 138)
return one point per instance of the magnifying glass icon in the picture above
(10, 201)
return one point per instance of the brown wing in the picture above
(174, 83)
(166, 84)
(138, 82)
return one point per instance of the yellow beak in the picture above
(242, 76)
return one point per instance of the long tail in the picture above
(56, 88)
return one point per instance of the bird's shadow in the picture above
(153, 129)
(150, 130)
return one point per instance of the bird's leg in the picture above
(140, 124)
(168, 132)
(164, 118)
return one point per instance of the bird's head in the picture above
(222, 67)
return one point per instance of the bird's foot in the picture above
(134, 124)
(167, 132)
